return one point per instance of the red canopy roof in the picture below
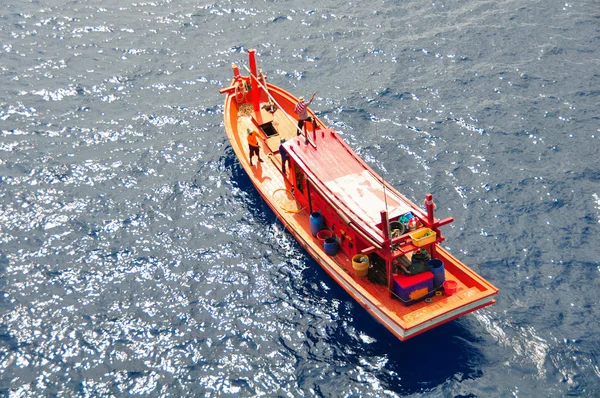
(348, 182)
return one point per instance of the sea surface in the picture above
(136, 258)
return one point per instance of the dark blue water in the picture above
(136, 257)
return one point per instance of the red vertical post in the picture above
(390, 275)
(430, 206)
(236, 71)
(253, 80)
(385, 227)
(389, 268)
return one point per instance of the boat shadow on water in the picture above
(448, 352)
(239, 178)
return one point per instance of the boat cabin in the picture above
(367, 216)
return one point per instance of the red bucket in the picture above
(324, 234)
(450, 287)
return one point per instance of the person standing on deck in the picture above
(285, 158)
(302, 110)
(253, 145)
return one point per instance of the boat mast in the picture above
(254, 81)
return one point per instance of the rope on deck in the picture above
(293, 211)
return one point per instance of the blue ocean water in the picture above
(136, 257)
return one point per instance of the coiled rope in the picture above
(292, 211)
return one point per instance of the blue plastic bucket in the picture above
(331, 246)
(316, 223)
(437, 268)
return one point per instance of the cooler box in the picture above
(413, 288)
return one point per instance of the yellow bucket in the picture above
(360, 263)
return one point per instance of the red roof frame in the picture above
(346, 180)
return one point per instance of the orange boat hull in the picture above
(245, 103)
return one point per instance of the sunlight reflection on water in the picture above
(136, 257)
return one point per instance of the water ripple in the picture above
(136, 258)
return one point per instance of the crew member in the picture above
(285, 157)
(302, 110)
(253, 145)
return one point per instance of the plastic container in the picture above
(324, 234)
(411, 289)
(330, 246)
(317, 222)
(450, 287)
(423, 237)
(397, 229)
(439, 274)
(405, 218)
(412, 224)
(360, 263)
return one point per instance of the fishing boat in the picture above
(380, 247)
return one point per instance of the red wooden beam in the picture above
(255, 87)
